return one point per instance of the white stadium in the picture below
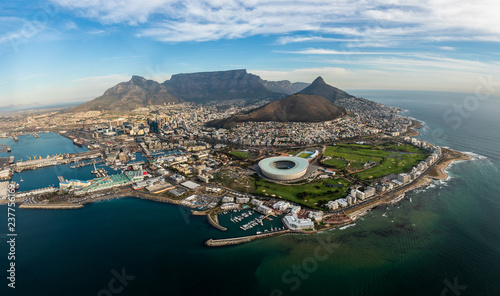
(284, 168)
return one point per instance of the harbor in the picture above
(249, 222)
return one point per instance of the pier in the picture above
(215, 223)
(51, 206)
(241, 240)
(55, 160)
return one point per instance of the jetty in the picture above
(241, 240)
(51, 206)
(215, 222)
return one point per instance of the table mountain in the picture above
(221, 85)
(195, 87)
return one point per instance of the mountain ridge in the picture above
(190, 87)
(126, 96)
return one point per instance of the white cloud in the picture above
(70, 26)
(296, 39)
(322, 51)
(202, 20)
(21, 34)
(449, 48)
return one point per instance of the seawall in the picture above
(50, 207)
(241, 240)
(215, 223)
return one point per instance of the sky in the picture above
(55, 51)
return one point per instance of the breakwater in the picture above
(241, 240)
(50, 206)
(215, 223)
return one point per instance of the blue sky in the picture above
(73, 50)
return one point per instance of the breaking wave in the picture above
(476, 156)
(347, 226)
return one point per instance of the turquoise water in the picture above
(448, 231)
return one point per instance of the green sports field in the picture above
(311, 194)
(304, 155)
(240, 154)
(391, 158)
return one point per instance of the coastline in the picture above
(413, 129)
(437, 171)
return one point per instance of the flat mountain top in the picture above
(192, 87)
(220, 85)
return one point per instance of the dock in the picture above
(33, 164)
(241, 240)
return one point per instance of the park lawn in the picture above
(392, 158)
(309, 194)
(336, 163)
(403, 148)
(392, 165)
(363, 146)
(304, 155)
(240, 154)
(356, 155)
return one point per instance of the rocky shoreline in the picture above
(436, 172)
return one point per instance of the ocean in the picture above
(440, 240)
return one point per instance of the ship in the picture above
(78, 142)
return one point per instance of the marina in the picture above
(248, 222)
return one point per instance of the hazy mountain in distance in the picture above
(285, 86)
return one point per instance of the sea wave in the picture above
(347, 226)
(476, 156)
(443, 183)
(434, 184)
(425, 126)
